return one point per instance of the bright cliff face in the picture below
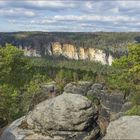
(72, 52)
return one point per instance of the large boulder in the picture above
(126, 127)
(67, 116)
(66, 112)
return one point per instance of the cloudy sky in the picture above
(69, 15)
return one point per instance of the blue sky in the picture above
(69, 15)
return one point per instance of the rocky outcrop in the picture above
(80, 87)
(59, 118)
(28, 51)
(113, 102)
(127, 127)
(62, 113)
(111, 106)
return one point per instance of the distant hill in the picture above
(112, 42)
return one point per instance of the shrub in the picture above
(135, 110)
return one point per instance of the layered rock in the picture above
(113, 101)
(66, 50)
(111, 106)
(127, 127)
(56, 49)
(61, 118)
(71, 52)
(80, 87)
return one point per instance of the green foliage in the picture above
(127, 76)
(136, 98)
(14, 68)
(135, 110)
(75, 77)
(86, 77)
(62, 77)
(32, 90)
(94, 99)
(14, 74)
(8, 103)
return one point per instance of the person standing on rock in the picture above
(52, 92)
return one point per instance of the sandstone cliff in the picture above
(72, 52)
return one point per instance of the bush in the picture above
(136, 99)
(94, 99)
(135, 110)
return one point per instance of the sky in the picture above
(70, 15)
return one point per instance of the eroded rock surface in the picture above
(66, 112)
(111, 102)
(80, 87)
(126, 127)
(112, 105)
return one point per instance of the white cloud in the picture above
(13, 21)
(89, 5)
(114, 10)
(50, 5)
(16, 12)
(95, 18)
(128, 4)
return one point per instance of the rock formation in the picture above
(80, 87)
(72, 52)
(111, 105)
(60, 118)
(127, 127)
(113, 102)
(72, 116)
